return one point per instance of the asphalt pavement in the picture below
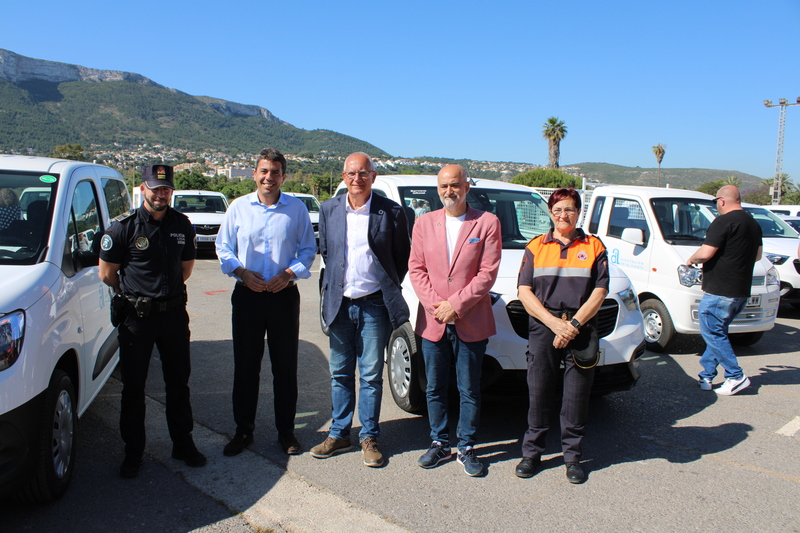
(662, 457)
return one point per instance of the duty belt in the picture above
(146, 306)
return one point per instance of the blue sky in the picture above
(466, 79)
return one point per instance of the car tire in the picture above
(56, 449)
(745, 339)
(658, 327)
(405, 369)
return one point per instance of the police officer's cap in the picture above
(155, 176)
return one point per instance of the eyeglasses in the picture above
(718, 198)
(363, 174)
(569, 211)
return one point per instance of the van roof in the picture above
(37, 164)
(198, 193)
(653, 192)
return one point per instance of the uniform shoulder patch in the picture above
(125, 216)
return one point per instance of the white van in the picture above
(205, 209)
(57, 344)
(523, 215)
(650, 233)
(780, 247)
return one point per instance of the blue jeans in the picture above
(716, 313)
(359, 333)
(468, 360)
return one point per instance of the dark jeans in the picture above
(468, 362)
(137, 336)
(278, 316)
(543, 374)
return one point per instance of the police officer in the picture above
(146, 256)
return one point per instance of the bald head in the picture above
(362, 159)
(730, 199)
(453, 188)
(358, 175)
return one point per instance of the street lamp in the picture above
(783, 103)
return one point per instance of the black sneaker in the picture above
(190, 456)
(237, 444)
(130, 466)
(472, 465)
(435, 455)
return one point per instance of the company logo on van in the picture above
(615, 258)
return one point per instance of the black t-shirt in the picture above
(150, 252)
(730, 272)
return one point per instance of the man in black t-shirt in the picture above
(732, 246)
(146, 256)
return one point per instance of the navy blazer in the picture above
(389, 242)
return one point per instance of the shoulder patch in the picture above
(106, 243)
(125, 216)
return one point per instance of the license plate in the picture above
(754, 301)
(206, 238)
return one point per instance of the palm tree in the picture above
(554, 130)
(659, 150)
(733, 180)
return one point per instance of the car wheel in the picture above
(404, 369)
(745, 339)
(56, 448)
(658, 328)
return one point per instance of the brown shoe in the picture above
(331, 446)
(372, 455)
(289, 444)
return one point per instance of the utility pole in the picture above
(777, 184)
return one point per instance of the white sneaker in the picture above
(705, 384)
(733, 386)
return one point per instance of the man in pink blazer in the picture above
(455, 256)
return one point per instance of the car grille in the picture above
(759, 281)
(206, 229)
(606, 317)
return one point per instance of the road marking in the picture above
(791, 428)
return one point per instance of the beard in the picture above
(156, 207)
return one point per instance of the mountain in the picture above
(45, 103)
(679, 178)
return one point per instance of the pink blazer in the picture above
(465, 283)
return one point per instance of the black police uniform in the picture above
(150, 253)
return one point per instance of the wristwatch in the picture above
(575, 323)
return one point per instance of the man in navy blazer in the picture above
(364, 241)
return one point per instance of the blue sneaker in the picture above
(472, 465)
(435, 455)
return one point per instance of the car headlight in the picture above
(689, 275)
(629, 298)
(776, 259)
(773, 278)
(12, 331)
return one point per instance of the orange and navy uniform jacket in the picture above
(563, 276)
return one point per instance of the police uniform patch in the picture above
(106, 243)
(141, 242)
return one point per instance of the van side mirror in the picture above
(633, 236)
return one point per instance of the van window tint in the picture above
(84, 227)
(594, 220)
(771, 224)
(684, 220)
(117, 197)
(626, 214)
(523, 215)
(26, 207)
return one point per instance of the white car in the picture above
(780, 247)
(206, 210)
(57, 345)
(523, 215)
(312, 204)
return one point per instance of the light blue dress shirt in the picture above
(267, 239)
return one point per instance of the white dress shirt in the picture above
(360, 276)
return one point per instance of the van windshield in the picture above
(197, 203)
(311, 203)
(523, 215)
(684, 220)
(26, 208)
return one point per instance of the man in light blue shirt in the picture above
(266, 242)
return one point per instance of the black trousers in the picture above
(137, 336)
(278, 316)
(544, 373)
